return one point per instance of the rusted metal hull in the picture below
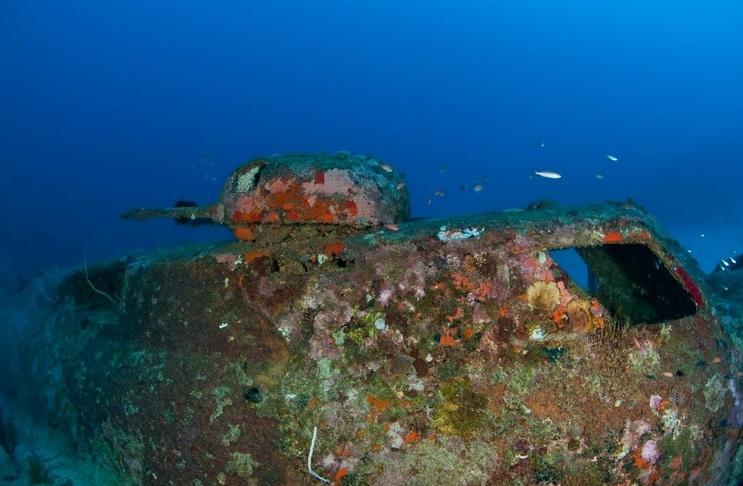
(454, 352)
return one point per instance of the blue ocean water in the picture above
(106, 106)
(110, 105)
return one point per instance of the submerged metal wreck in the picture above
(326, 347)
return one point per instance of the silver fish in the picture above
(548, 174)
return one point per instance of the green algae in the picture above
(645, 360)
(242, 464)
(521, 379)
(542, 432)
(548, 468)
(232, 435)
(680, 445)
(325, 382)
(362, 327)
(714, 393)
(461, 411)
(498, 375)
(242, 377)
(431, 462)
(222, 399)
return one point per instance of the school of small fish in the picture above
(480, 186)
(725, 264)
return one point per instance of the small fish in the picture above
(541, 144)
(548, 174)
(442, 168)
(724, 262)
(463, 187)
(392, 227)
(735, 262)
(430, 201)
(613, 158)
(386, 168)
(599, 176)
(400, 186)
(478, 188)
(439, 194)
(668, 374)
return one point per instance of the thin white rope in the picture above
(309, 458)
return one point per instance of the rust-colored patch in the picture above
(272, 217)
(543, 404)
(351, 208)
(379, 405)
(643, 235)
(411, 437)
(340, 474)
(252, 256)
(244, 217)
(458, 314)
(462, 282)
(559, 316)
(447, 337)
(482, 291)
(448, 341)
(334, 248)
(612, 237)
(637, 459)
(244, 233)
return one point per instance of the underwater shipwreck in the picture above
(335, 340)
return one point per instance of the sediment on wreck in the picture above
(405, 348)
(460, 351)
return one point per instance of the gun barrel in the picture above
(187, 213)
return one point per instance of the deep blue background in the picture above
(109, 105)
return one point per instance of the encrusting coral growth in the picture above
(323, 346)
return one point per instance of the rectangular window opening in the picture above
(629, 280)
